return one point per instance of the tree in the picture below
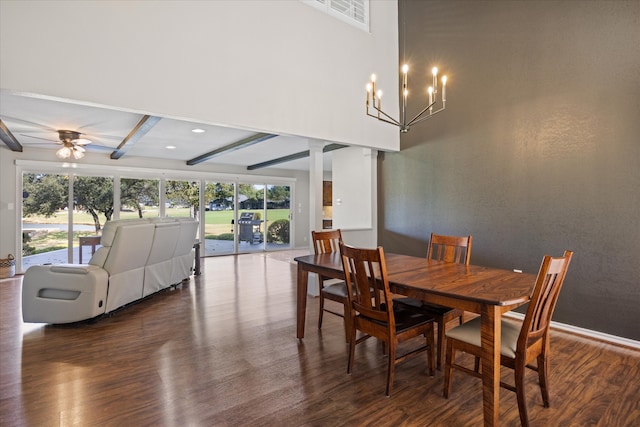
(94, 195)
(184, 192)
(137, 193)
(45, 194)
(278, 195)
(219, 192)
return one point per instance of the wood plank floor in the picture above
(221, 351)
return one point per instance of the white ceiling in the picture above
(34, 122)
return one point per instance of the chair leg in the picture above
(522, 403)
(347, 321)
(352, 349)
(448, 369)
(543, 369)
(321, 310)
(391, 366)
(441, 338)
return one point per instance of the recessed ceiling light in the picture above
(198, 130)
(170, 147)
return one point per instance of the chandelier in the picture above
(403, 124)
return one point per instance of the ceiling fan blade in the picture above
(38, 137)
(82, 141)
(38, 145)
(28, 123)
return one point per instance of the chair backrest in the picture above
(450, 248)
(365, 273)
(325, 242)
(543, 300)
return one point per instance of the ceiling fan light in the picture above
(64, 153)
(77, 154)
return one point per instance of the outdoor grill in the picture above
(250, 228)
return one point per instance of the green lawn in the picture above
(211, 217)
(217, 223)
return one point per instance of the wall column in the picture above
(315, 201)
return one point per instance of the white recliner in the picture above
(137, 258)
(159, 268)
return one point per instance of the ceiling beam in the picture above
(8, 138)
(144, 125)
(243, 143)
(291, 157)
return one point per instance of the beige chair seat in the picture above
(469, 332)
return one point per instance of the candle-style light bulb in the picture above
(405, 69)
(434, 71)
(444, 89)
(373, 88)
(430, 90)
(379, 94)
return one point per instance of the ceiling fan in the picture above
(72, 144)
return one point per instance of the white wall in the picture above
(354, 195)
(275, 66)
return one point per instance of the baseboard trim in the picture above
(587, 333)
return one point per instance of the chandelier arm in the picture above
(416, 120)
(384, 120)
(377, 116)
(391, 119)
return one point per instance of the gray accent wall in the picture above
(538, 150)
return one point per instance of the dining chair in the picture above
(521, 342)
(331, 289)
(373, 312)
(448, 249)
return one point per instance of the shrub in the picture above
(223, 236)
(278, 231)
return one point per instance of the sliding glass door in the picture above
(93, 207)
(218, 218)
(63, 213)
(278, 217)
(249, 228)
(45, 218)
(139, 198)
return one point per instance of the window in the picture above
(355, 12)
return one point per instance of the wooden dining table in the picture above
(490, 292)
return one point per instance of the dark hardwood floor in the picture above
(221, 351)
